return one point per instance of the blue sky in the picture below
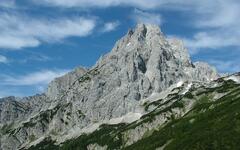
(41, 40)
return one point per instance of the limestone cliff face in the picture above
(144, 62)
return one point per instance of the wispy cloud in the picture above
(220, 14)
(146, 17)
(3, 59)
(37, 57)
(27, 84)
(219, 26)
(226, 66)
(100, 3)
(218, 17)
(142, 4)
(19, 31)
(36, 78)
(218, 38)
(110, 26)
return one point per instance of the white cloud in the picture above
(217, 22)
(28, 84)
(3, 59)
(100, 3)
(220, 14)
(36, 78)
(205, 6)
(18, 31)
(221, 21)
(226, 66)
(214, 40)
(37, 57)
(219, 17)
(146, 17)
(142, 4)
(110, 26)
(18, 42)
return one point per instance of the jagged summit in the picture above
(143, 63)
(145, 29)
(142, 33)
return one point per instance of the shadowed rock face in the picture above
(143, 62)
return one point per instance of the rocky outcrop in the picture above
(142, 63)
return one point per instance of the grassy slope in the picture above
(210, 125)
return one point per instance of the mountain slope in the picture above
(142, 69)
(212, 121)
(211, 124)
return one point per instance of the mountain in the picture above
(144, 94)
(191, 116)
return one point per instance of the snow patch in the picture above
(180, 83)
(187, 88)
(234, 78)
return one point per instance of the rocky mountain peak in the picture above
(142, 63)
(140, 35)
(147, 30)
(144, 59)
